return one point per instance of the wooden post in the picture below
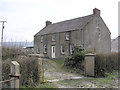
(40, 69)
(15, 70)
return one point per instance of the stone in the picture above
(90, 64)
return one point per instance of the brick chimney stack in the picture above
(48, 23)
(96, 12)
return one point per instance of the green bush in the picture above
(76, 58)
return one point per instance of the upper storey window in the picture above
(53, 37)
(67, 36)
(41, 39)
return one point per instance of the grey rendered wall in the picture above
(97, 36)
(76, 37)
(36, 43)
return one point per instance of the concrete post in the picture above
(15, 70)
(90, 64)
(40, 69)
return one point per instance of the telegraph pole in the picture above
(1, 45)
(2, 32)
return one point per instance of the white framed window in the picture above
(67, 36)
(38, 49)
(45, 49)
(62, 49)
(41, 39)
(71, 49)
(53, 37)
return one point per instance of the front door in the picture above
(53, 51)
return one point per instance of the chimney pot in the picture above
(96, 12)
(48, 23)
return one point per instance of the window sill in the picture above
(62, 53)
(67, 40)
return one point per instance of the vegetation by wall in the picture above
(10, 53)
(106, 63)
(28, 70)
(103, 62)
(76, 59)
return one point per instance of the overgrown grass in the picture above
(104, 80)
(59, 62)
(47, 85)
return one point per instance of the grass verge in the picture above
(59, 62)
(41, 85)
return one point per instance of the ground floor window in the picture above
(71, 49)
(62, 49)
(38, 49)
(45, 49)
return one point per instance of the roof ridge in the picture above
(66, 25)
(71, 19)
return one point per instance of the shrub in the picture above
(28, 70)
(105, 63)
(6, 71)
(9, 53)
(76, 58)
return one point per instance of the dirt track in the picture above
(63, 79)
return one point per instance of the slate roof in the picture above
(68, 25)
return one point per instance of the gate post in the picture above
(40, 69)
(90, 64)
(15, 72)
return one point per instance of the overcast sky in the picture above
(26, 17)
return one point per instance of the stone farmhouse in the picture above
(58, 39)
